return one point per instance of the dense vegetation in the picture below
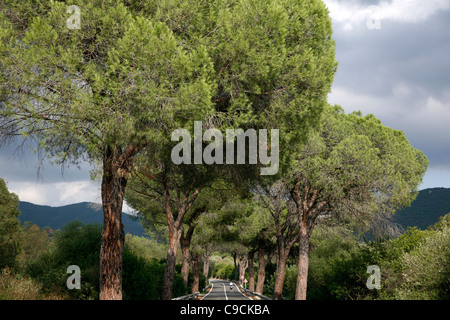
(57, 217)
(116, 86)
(40, 268)
(415, 265)
(429, 206)
(118, 90)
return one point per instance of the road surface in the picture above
(220, 290)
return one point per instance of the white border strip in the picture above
(243, 294)
(225, 291)
(212, 286)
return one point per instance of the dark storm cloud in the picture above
(21, 164)
(372, 61)
(400, 72)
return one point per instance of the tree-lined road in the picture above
(220, 290)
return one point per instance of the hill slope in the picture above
(429, 206)
(57, 217)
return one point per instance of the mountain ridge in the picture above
(429, 205)
(425, 211)
(85, 212)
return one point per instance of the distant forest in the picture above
(425, 211)
(429, 206)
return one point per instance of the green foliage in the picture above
(426, 269)
(143, 278)
(328, 244)
(413, 266)
(156, 66)
(137, 70)
(223, 271)
(427, 208)
(76, 244)
(17, 287)
(145, 248)
(74, 80)
(79, 244)
(34, 242)
(10, 231)
(360, 167)
(444, 222)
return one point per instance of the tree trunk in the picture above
(111, 251)
(251, 271)
(303, 261)
(284, 245)
(114, 182)
(236, 269)
(243, 262)
(309, 206)
(185, 243)
(206, 263)
(169, 272)
(195, 273)
(185, 266)
(175, 231)
(116, 170)
(262, 263)
(280, 274)
(261, 277)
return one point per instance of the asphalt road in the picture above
(220, 290)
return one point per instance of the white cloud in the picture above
(431, 122)
(56, 194)
(352, 13)
(366, 103)
(423, 117)
(60, 193)
(436, 177)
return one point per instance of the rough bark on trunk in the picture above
(195, 273)
(243, 263)
(206, 262)
(114, 181)
(251, 271)
(303, 262)
(285, 229)
(309, 206)
(280, 274)
(111, 251)
(185, 267)
(286, 238)
(169, 272)
(236, 269)
(175, 224)
(262, 263)
(185, 243)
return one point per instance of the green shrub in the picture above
(17, 287)
(426, 273)
(223, 271)
(142, 279)
(77, 244)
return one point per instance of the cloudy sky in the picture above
(394, 62)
